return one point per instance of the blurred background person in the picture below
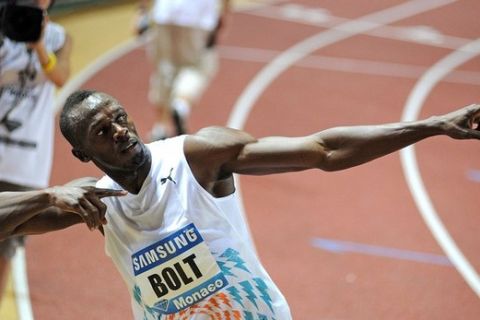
(34, 59)
(183, 51)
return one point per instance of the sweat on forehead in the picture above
(95, 102)
(87, 110)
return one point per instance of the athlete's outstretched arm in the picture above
(40, 211)
(231, 151)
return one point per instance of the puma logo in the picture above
(169, 178)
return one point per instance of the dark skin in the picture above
(55, 208)
(110, 140)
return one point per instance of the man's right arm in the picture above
(41, 211)
(26, 213)
(17, 208)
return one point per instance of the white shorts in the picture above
(183, 65)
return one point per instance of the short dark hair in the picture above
(68, 118)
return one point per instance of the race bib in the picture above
(177, 271)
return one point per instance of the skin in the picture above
(55, 208)
(111, 142)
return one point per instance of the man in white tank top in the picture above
(178, 238)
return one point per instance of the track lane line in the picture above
(295, 53)
(341, 246)
(292, 55)
(422, 35)
(409, 163)
(351, 65)
(20, 285)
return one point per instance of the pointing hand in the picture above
(84, 201)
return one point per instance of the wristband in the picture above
(52, 62)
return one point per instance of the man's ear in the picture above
(80, 155)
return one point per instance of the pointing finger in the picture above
(474, 134)
(101, 207)
(92, 212)
(101, 193)
(86, 217)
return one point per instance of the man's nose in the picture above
(120, 133)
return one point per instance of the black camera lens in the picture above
(21, 23)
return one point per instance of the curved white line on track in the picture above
(412, 108)
(292, 55)
(297, 52)
(20, 284)
(94, 67)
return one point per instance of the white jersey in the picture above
(26, 112)
(202, 14)
(183, 253)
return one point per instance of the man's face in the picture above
(108, 136)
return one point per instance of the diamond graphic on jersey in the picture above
(161, 306)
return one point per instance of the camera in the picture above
(21, 23)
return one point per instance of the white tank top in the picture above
(27, 112)
(201, 14)
(184, 254)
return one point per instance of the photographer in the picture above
(34, 59)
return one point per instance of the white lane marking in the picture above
(93, 68)
(360, 66)
(252, 5)
(319, 17)
(410, 167)
(292, 55)
(20, 285)
(343, 31)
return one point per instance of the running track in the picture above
(293, 68)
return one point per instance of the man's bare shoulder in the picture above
(216, 139)
(208, 150)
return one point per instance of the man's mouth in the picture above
(129, 146)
